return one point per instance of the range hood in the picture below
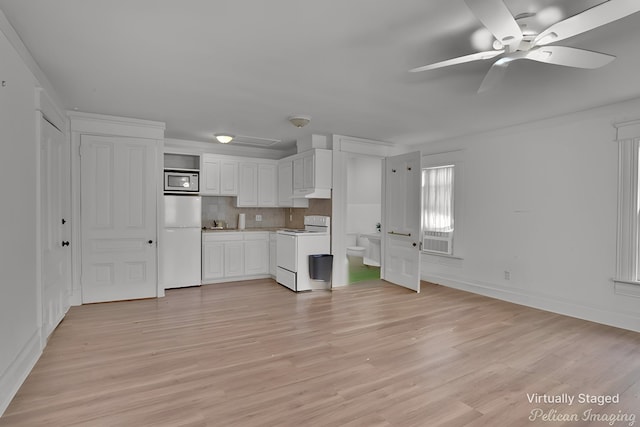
(314, 193)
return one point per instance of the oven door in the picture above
(286, 252)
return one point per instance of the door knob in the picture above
(415, 244)
(65, 243)
(150, 242)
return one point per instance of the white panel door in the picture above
(118, 203)
(55, 188)
(402, 221)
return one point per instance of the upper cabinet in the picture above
(218, 176)
(257, 184)
(312, 174)
(285, 186)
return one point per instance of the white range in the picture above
(294, 248)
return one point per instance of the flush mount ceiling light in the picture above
(299, 121)
(224, 138)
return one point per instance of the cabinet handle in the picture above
(64, 221)
(65, 243)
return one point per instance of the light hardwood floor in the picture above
(372, 354)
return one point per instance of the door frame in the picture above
(343, 147)
(103, 125)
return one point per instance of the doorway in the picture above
(364, 216)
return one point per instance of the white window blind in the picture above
(437, 209)
(628, 253)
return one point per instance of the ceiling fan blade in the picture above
(460, 60)
(498, 70)
(495, 15)
(595, 17)
(569, 57)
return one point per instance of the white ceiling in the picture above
(244, 66)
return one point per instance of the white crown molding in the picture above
(100, 124)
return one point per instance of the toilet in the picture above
(355, 248)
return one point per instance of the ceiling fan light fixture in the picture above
(224, 138)
(299, 121)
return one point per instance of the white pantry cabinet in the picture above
(230, 256)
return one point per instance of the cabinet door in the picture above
(298, 174)
(212, 260)
(309, 171)
(248, 184)
(233, 259)
(285, 183)
(210, 177)
(229, 178)
(256, 256)
(267, 180)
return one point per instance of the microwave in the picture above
(181, 181)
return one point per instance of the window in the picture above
(437, 209)
(628, 252)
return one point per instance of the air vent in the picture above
(440, 242)
(254, 141)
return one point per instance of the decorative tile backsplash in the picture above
(224, 209)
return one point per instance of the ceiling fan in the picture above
(510, 39)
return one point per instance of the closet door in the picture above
(118, 204)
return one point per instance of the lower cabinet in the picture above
(229, 256)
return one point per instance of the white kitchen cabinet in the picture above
(256, 254)
(212, 260)
(218, 176)
(298, 174)
(285, 186)
(232, 256)
(267, 185)
(233, 259)
(247, 184)
(210, 176)
(257, 184)
(312, 174)
(228, 177)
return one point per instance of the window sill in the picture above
(442, 255)
(626, 282)
(628, 288)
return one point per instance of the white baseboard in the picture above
(542, 302)
(15, 374)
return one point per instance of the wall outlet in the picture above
(507, 275)
(258, 218)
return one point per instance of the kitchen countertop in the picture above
(263, 229)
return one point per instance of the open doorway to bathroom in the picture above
(364, 213)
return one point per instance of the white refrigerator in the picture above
(181, 242)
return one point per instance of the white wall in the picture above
(19, 308)
(364, 193)
(540, 202)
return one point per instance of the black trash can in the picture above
(320, 266)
